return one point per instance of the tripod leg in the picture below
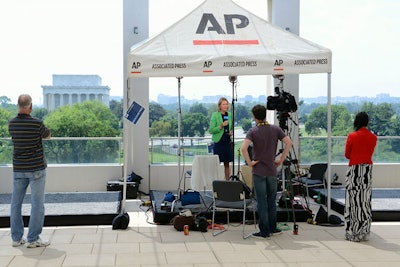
(291, 197)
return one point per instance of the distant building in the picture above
(166, 99)
(71, 89)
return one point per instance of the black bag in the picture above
(333, 219)
(322, 216)
(190, 197)
(133, 177)
(200, 224)
(121, 221)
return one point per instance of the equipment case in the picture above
(131, 188)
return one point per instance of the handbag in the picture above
(190, 197)
(121, 221)
(179, 221)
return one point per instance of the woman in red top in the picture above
(360, 146)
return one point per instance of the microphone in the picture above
(225, 118)
(232, 79)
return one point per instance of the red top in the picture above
(360, 146)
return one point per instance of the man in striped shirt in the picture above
(29, 169)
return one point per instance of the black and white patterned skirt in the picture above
(358, 212)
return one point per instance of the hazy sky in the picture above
(45, 37)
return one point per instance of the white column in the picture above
(53, 102)
(286, 14)
(106, 100)
(61, 99)
(45, 101)
(136, 137)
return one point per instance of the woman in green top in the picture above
(221, 127)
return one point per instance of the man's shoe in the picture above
(38, 243)
(277, 232)
(19, 242)
(259, 235)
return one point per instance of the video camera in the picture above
(283, 101)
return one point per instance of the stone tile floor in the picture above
(145, 244)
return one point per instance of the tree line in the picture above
(87, 119)
(94, 119)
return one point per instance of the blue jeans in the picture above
(37, 181)
(265, 188)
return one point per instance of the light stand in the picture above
(233, 80)
(178, 197)
(179, 134)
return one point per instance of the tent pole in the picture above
(125, 141)
(329, 128)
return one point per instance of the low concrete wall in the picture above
(384, 175)
(69, 178)
(93, 178)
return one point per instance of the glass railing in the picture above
(312, 149)
(73, 150)
(164, 150)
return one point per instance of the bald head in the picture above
(25, 103)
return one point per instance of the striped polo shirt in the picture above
(26, 134)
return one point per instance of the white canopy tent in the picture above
(220, 38)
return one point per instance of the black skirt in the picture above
(224, 148)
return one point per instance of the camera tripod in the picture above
(287, 195)
(289, 177)
(286, 174)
